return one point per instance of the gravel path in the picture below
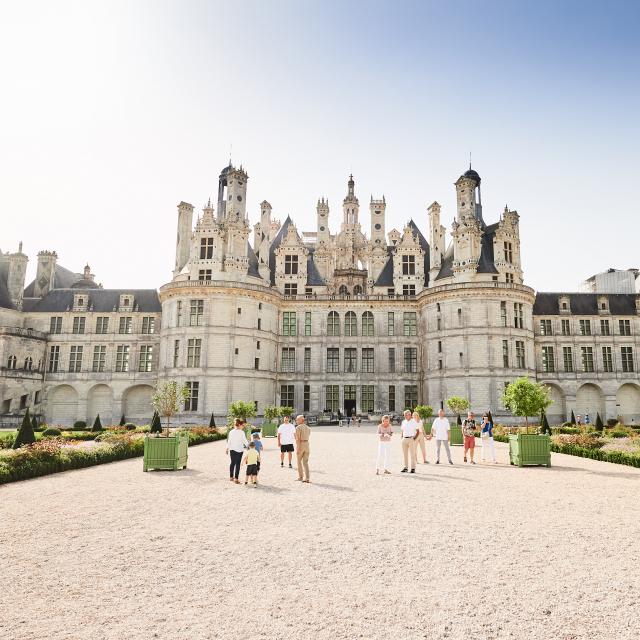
(455, 552)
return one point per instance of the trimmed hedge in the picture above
(51, 431)
(617, 457)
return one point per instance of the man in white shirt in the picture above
(409, 430)
(286, 438)
(441, 429)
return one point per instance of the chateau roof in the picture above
(5, 298)
(585, 304)
(100, 300)
(274, 245)
(424, 245)
(253, 262)
(62, 279)
(486, 261)
(313, 275)
(385, 279)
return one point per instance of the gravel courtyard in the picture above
(489, 551)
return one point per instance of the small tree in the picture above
(156, 425)
(271, 412)
(242, 410)
(25, 433)
(123, 420)
(285, 411)
(212, 421)
(573, 417)
(599, 423)
(458, 405)
(34, 422)
(97, 425)
(545, 428)
(525, 398)
(168, 399)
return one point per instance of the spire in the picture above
(351, 185)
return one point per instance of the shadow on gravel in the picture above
(332, 487)
(607, 474)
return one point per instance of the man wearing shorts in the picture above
(286, 438)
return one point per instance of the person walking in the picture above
(302, 445)
(384, 445)
(469, 434)
(252, 459)
(236, 444)
(255, 438)
(441, 430)
(286, 438)
(486, 437)
(409, 430)
(421, 439)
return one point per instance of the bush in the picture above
(97, 425)
(51, 431)
(79, 425)
(129, 426)
(617, 457)
(583, 440)
(565, 429)
(25, 433)
(618, 433)
(612, 422)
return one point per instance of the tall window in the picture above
(350, 324)
(605, 330)
(607, 359)
(122, 358)
(520, 363)
(332, 397)
(567, 357)
(368, 364)
(408, 265)
(176, 352)
(508, 252)
(333, 360)
(306, 398)
(566, 327)
(548, 362)
(99, 357)
(518, 317)
(508, 278)
(350, 392)
(625, 327)
(333, 324)
(288, 360)
(545, 327)
(503, 313)
(194, 347)
(585, 327)
(102, 324)
(367, 323)
(196, 312)
(290, 289)
(179, 313)
(79, 324)
(410, 327)
(289, 323)
(626, 354)
(408, 289)
(392, 360)
(54, 359)
(75, 359)
(56, 325)
(28, 363)
(145, 361)
(191, 403)
(291, 265)
(505, 354)
(148, 324)
(287, 395)
(392, 397)
(410, 396)
(390, 324)
(350, 360)
(307, 359)
(125, 324)
(204, 275)
(307, 323)
(206, 248)
(367, 402)
(410, 360)
(587, 359)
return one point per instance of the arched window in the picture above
(28, 363)
(357, 290)
(12, 362)
(333, 324)
(367, 323)
(350, 324)
(343, 291)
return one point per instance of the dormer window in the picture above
(126, 302)
(80, 302)
(291, 265)
(603, 304)
(564, 304)
(408, 265)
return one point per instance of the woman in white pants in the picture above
(486, 437)
(384, 445)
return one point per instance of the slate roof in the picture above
(274, 245)
(585, 304)
(424, 245)
(62, 279)
(313, 275)
(486, 262)
(385, 279)
(253, 262)
(101, 300)
(446, 269)
(5, 298)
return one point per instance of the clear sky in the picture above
(113, 112)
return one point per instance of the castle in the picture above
(349, 321)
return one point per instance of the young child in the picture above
(251, 459)
(259, 445)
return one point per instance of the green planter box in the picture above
(455, 434)
(165, 453)
(269, 430)
(529, 449)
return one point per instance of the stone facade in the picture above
(320, 321)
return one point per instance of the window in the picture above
(410, 360)
(196, 312)
(392, 397)
(368, 364)
(518, 319)
(306, 398)
(607, 359)
(258, 345)
(176, 352)
(28, 363)
(508, 278)
(259, 324)
(333, 324)
(288, 364)
(505, 354)
(291, 265)
(256, 363)
(626, 354)
(503, 313)
(508, 252)
(439, 324)
(625, 327)
(520, 354)
(366, 404)
(440, 365)
(408, 289)
(204, 275)
(332, 397)
(585, 327)
(350, 393)
(567, 357)
(23, 401)
(605, 330)
(54, 359)
(350, 360)
(410, 396)
(392, 360)
(99, 357)
(390, 324)
(56, 325)
(290, 289)
(178, 313)
(459, 317)
(194, 347)
(75, 359)
(409, 323)
(287, 395)
(350, 324)
(191, 403)
(239, 311)
(367, 324)
(122, 358)
(307, 359)
(206, 248)
(545, 327)
(78, 324)
(146, 358)
(11, 362)
(289, 323)
(566, 327)
(148, 324)
(408, 265)
(548, 362)
(125, 324)
(587, 359)
(102, 324)
(333, 360)
(307, 323)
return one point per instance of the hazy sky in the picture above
(113, 112)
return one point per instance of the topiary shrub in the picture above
(156, 425)
(123, 422)
(51, 431)
(599, 423)
(612, 422)
(34, 423)
(97, 425)
(79, 425)
(212, 422)
(573, 417)
(129, 426)
(25, 433)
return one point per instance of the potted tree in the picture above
(243, 410)
(269, 427)
(525, 398)
(457, 405)
(167, 451)
(425, 412)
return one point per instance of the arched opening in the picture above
(11, 363)
(628, 404)
(62, 405)
(333, 324)
(367, 324)
(557, 410)
(100, 401)
(28, 363)
(343, 291)
(350, 324)
(136, 404)
(357, 290)
(590, 401)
